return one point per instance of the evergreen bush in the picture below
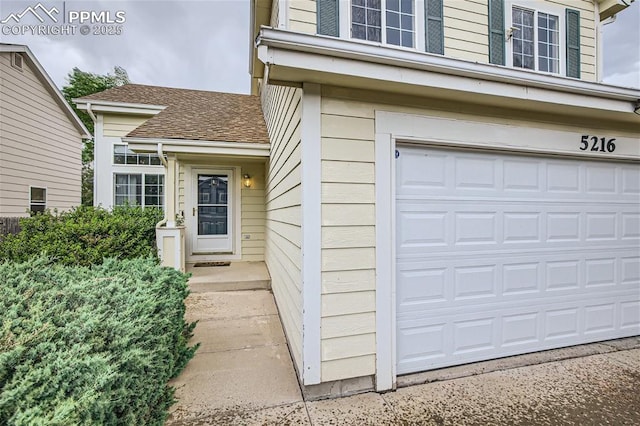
(90, 346)
(84, 235)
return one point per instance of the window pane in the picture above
(358, 2)
(38, 195)
(132, 159)
(393, 37)
(393, 20)
(373, 17)
(37, 208)
(393, 5)
(373, 34)
(359, 31)
(543, 64)
(407, 6)
(373, 4)
(154, 160)
(407, 39)
(528, 62)
(407, 22)
(358, 15)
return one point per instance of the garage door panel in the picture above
(491, 174)
(473, 336)
(499, 254)
(458, 225)
(536, 278)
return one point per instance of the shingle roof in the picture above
(193, 114)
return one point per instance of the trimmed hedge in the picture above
(92, 346)
(84, 235)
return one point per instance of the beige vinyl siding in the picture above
(283, 254)
(348, 214)
(348, 240)
(252, 207)
(39, 145)
(466, 34)
(275, 14)
(119, 125)
(302, 16)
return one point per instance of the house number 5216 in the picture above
(597, 144)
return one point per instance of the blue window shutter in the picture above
(328, 22)
(573, 43)
(434, 26)
(496, 32)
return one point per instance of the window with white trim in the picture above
(146, 190)
(37, 199)
(535, 43)
(123, 155)
(398, 21)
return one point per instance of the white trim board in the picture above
(392, 127)
(311, 234)
(504, 137)
(185, 146)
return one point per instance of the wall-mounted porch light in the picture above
(246, 181)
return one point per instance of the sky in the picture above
(205, 44)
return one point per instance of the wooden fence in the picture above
(9, 225)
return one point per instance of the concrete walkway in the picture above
(243, 375)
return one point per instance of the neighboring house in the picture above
(40, 139)
(442, 182)
(200, 155)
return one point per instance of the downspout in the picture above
(90, 112)
(95, 175)
(166, 166)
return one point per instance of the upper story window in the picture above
(368, 21)
(536, 40)
(545, 39)
(123, 155)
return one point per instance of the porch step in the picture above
(236, 276)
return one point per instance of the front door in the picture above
(212, 212)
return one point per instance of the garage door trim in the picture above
(393, 127)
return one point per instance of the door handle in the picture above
(194, 211)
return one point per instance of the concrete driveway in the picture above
(243, 375)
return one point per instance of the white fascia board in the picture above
(369, 60)
(50, 85)
(118, 107)
(245, 149)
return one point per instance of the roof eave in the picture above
(330, 55)
(98, 105)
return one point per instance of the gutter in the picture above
(377, 53)
(166, 166)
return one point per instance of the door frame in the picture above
(190, 171)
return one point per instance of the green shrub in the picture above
(90, 346)
(84, 235)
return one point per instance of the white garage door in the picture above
(500, 254)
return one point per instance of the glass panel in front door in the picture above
(213, 195)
